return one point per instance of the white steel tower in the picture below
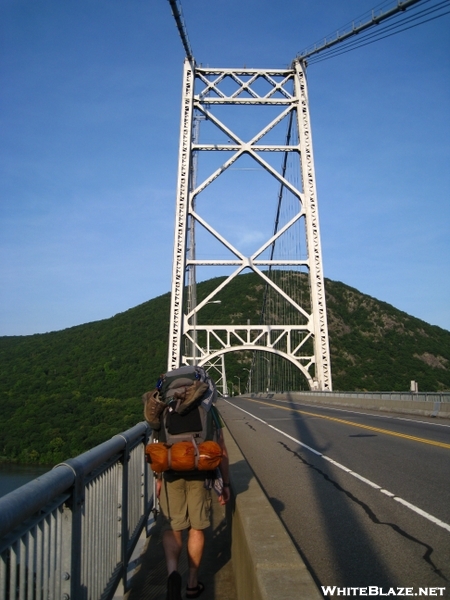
(212, 96)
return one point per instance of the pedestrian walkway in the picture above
(216, 570)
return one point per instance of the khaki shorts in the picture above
(184, 504)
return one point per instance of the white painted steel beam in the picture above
(181, 217)
(319, 313)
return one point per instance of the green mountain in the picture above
(63, 392)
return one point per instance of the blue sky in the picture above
(89, 120)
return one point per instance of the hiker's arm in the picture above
(158, 484)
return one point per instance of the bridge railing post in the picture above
(70, 572)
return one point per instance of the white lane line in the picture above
(412, 507)
(421, 512)
(277, 430)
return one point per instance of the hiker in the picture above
(185, 495)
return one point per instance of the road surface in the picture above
(364, 495)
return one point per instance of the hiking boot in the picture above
(153, 407)
(190, 396)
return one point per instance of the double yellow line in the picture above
(345, 422)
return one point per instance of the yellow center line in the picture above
(345, 422)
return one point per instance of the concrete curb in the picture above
(409, 407)
(266, 563)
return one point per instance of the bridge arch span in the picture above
(204, 360)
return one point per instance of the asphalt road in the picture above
(364, 495)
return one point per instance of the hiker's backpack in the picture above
(180, 412)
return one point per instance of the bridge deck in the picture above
(215, 572)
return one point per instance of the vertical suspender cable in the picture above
(257, 367)
(277, 217)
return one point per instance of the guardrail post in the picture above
(66, 553)
(71, 534)
(124, 513)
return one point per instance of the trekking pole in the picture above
(155, 508)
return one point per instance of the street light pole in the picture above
(268, 372)
(239, 388)
(249, 379)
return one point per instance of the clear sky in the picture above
(90, 96)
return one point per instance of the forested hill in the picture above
(63, 392)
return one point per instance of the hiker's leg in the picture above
(199, 504)
(174, 520)
(172, 544)
(195, 545)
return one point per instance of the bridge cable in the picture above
(179, 19)
(368, 39)
(376, 19)
(407, 19)
(255, 368)
(350, 24)
(267, 370)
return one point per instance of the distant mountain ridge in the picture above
(375, 346)
(63, 392)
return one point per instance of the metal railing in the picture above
(69, 534)
(407, 396)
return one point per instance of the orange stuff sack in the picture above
(157, 456)
(210, 456)
(183, 456)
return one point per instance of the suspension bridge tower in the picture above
(255, 122)
(286, 263)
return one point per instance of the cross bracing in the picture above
(286, 258)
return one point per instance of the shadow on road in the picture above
(335, 532)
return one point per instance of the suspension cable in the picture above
(349, 47)
(408, 19)
(384, 32)
(178, 16)
(375, 19)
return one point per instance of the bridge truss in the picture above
(205, 240)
